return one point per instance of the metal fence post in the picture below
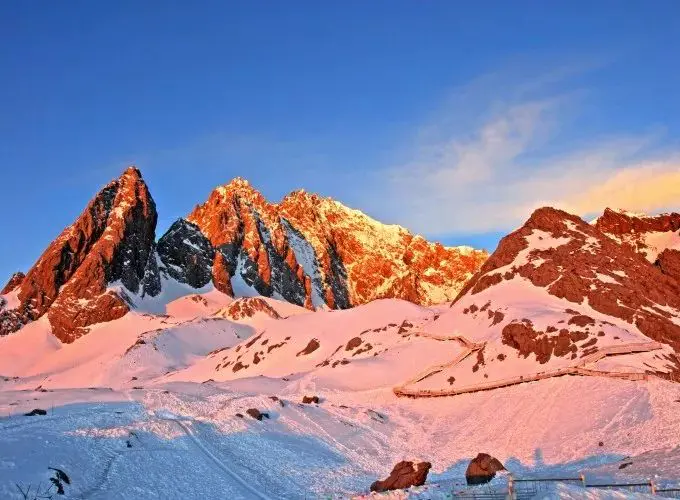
(583, 480)
(652, 486)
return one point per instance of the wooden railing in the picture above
(470, 347)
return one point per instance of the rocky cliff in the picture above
(111, 242)
(309, 250)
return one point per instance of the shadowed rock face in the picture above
(313, 251)
(111, 242)
(404, 475)
(581, 264)
(186, 254)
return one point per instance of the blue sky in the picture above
(454, 119)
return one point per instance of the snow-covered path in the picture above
(577, 369)
(248, 491)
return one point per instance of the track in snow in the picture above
(252, 492)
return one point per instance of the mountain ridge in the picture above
(109, 261)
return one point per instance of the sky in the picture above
(453, 119)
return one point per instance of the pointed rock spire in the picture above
(112, 241)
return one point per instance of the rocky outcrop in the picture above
(85, 275)
(482, 469)
(247, 308)
(13, 283)
(404, 475)
(576, 261)
(648, 235)
(522, 336)
(668, 263)
(314, 251)
(186, 254)
(257, 414)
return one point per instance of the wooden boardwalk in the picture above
(471, 347)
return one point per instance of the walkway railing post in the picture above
(511, 488)
(652, 486)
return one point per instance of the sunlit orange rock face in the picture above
(649, 235)
(314, 251)
(246, 308)
(13, 283)
(584, 265)
(111, 242)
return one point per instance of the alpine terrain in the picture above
(301, 349)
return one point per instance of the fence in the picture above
(526, 488)
(578, 369)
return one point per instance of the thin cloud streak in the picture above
(456, 182)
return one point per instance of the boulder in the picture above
(310, 399)
(257, 414)
(482, 469)
(35, 412)
(404, 475)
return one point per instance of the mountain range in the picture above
(307, 250)
(560, 349)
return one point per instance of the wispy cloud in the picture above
(500, 149)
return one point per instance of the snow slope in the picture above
(167, 386)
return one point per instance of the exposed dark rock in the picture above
(355, 342)
(247, 307)
(278, 400)
(482, 469)
(351, 261)
(187, 254)
(311, 347)
(404, 475)
(310, 399)
(36, 411)
(257, 414)
(668, 262)
(378, 417)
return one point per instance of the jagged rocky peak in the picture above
(556, 255)
(649, 235)
(316, 252)
(13, 283)
(109, 246)
(187, 254)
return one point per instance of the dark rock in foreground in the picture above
(35, 412)
(257, 414)
(482, 469)
(404, 475)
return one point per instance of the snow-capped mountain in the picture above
(112, 241)
(557, 295)
(564, 326)
(307, 250)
